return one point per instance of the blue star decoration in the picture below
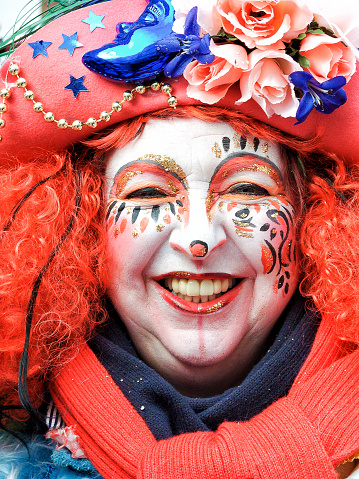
(95, 21)
(70, 43)
(40, 48)
(76, 85)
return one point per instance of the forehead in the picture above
(195, 145)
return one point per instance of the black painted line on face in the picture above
(240, 155)
(274, 255)
(226, 142)
(119, 211)
(243, 142)
(155, 213)
(172, 208)
(255, 143)
(110, 209)
(136, 162)
(135, 213)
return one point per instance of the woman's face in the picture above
(202, 259)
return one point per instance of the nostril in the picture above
(198, 248)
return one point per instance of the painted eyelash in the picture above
(155, 210)
(147, 189)
(264, 191)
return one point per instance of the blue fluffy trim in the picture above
(40, 461)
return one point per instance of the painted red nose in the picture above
(198, 248)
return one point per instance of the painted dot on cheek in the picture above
(123, 225)
(181, 211)
(167, 219)
(116, 232)
(143, 224)
(110, 221)
(230, 206)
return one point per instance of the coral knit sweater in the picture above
(302, 436)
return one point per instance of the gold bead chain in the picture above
(49, 117)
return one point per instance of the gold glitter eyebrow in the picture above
(168, 164)
(122, 182)
(269, 167)
(263, 168)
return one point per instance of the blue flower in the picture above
(324, 97)
(189, 45)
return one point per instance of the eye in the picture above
(147, 193)
(247, 189)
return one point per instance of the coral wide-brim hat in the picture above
(51, 99)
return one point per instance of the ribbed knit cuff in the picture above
(278, 443)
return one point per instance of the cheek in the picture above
(265, 234)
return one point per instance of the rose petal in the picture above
(329, 57)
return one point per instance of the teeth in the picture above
(206, 288)
(225, 285)
(182, 284)
(175, 285)
(217, 286)
(199, 291)
(193, 287)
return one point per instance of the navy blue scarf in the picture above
(168, 413)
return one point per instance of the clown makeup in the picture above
(202, 257)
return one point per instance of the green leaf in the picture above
(301, 36)
(317, 31)
(303, 61)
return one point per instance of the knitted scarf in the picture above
(167, 413)
(248, 432)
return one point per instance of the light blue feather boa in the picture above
(40, 460)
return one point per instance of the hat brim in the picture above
(26, 133)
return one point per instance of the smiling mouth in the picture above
(198, 295)
(197, 290)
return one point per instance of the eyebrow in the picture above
(270, 163)
(165, 162)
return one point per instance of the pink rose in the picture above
(328, 57)
(210, 83)
(342, 17)
(264, 23)
(266, 82)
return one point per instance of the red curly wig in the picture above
(40, 200)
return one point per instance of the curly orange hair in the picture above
(40, 199)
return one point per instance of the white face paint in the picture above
(196, 210)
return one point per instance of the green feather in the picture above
(30, 21)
